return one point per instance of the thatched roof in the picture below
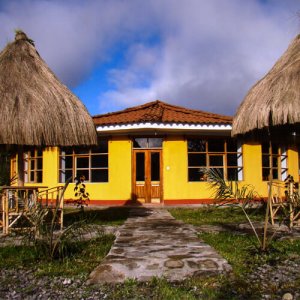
(36, 108)
(274, 101)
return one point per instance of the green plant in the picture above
(82, 197)
(241, 196)
(44, 235)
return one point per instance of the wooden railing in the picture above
(284, 201)
(17, 203)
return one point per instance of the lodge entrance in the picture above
(147, 175)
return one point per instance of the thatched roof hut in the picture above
(274, 101)
(36, 108)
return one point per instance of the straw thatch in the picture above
(274, 101)
(36, 108)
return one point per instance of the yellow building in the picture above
(157, 153)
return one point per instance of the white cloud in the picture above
(198, 53)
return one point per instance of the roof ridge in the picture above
(129, 109)
(164, 106)
(194, 111)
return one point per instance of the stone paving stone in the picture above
(152, 243)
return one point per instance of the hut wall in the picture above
(293, 163)
(176, 189)
(252, 168)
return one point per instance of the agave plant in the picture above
(231, 192)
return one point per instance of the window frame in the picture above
(32, 159)
(81, 153)
(209, 154)
(281, 158)
(148, 143)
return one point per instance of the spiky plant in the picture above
(232, 193)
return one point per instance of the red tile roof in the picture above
(160, 112)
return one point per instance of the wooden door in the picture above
(147, 177)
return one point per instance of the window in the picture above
(13, 166)
(276, 156)
(219, 154)
(33, 166)
(90, 163)
(146, 143)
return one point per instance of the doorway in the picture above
(147, 175)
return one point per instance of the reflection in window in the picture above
(155, 166)
(140, 166)
(221, 155)
(90, 163)
(145, 143)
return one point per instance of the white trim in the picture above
(176, 126)
(240, 161)
(284, 166)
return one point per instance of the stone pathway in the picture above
(152, 243)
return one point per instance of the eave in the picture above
(164, 128)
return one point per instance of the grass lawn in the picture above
(239, 250)
(216, 215)
(112, 216)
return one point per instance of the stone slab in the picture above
(151, 243)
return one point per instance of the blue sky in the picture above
(114, 54)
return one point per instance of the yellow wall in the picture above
(118, 186)
(293, 164)
(252, 168)
(175, 171)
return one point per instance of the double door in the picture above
(147, 176)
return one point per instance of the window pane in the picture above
(39, 152)
(140, 143)
(65, 175)
(102, 147)
(140, 166)
(155, 166)
(155, 142)
(275, 174)
(216, 160)
(31, 176)
(68, 150)
(39, 176)
(265, 161)
(232, 160)
(84, 173)
(231, 146)
(82, 162)
(266, 173)
(99, 175)
(82, 151)
(194, 174)
(40, 163)
(265, 148)
(99, 161)
(275, 149)
(32, 164)
(216, 146)
(220, 171)
(68, 162)
(196, 145)
(232, 174)
(275, 162)
(196, 160)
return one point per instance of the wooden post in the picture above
(264, 245)
(20, 166)
(6, 212)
